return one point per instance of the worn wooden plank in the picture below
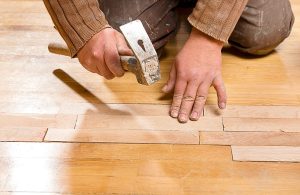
(37, 120)
(133, 122)
(238, 111)
(262, 124)
(122, 136)
(250, 138)
(22, 134)
(266, 153)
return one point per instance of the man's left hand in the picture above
(197, 66)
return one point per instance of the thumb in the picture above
(122, 45)
(169, 86)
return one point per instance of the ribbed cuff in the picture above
(76, 20)
(217, 18)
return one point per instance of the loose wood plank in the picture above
(122, 136)
(236, 111)
(262, 124)
(266, 153)
(250, 138)
(22, 134)
(37, 120)
(115, 109)
(133, 122)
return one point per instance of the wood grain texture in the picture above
(22, 134)
(250, 138)
(33, 81)
(133, 122)
(35, 78)
(139, 169)
(123, 136)
(236, 111)
(31, 120)
(262, 124)
(266, 153)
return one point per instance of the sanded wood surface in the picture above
(266, 153)
(22, 134)
(250, 138)
(32, 120)
(40, 80)
(237, 111)
(262, 124)
(123, 136)
(40, 90)
(139, 169)
(163, 122)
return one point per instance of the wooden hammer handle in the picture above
(127, 62)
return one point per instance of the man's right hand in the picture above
(101, 54)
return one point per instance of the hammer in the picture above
(144, 64)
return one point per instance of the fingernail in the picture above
(182, 118)
(194, 115)
(174, 113)
(222, 105)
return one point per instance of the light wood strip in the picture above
(262, 124)
(250, 138)
(22, 134)
(115, 109)
(133, 122)
(237, 111)
(81, 151)
(122, 136)
(36, 120)
(139, 169)
(266, 153)
(33, 193)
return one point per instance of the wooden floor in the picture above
(66, 131)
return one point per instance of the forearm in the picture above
(217, 18)
(76, 20)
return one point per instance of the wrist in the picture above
(205, 40)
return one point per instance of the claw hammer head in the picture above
(147, 69)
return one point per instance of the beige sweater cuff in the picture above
(217, 18)
(76, 20)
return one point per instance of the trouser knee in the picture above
(158, 17)
(263, 25)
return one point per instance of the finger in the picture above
(188, 101)
(171, 82)
(177, 97)
(112, 60)
(200, 100)
(88, 65)
(97, 63)
(219, 86)
(122, 46)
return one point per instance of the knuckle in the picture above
(96, 54)
(178, 96)
(188, 98)
(200, 98)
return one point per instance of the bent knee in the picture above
(263, 26)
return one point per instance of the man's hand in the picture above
(196, 68)
(101, 54)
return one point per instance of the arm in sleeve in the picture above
(76, 20)
(217, 18)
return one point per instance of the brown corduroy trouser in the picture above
(264, 24)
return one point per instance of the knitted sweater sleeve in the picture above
(76, 20)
